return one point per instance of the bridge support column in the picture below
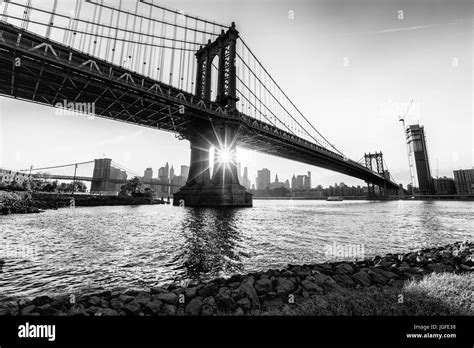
(224, 189)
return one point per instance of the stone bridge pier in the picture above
(222, 189)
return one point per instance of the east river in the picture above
(89, 249)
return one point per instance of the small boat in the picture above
(334, 198)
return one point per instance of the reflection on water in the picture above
(93, 248)
(211, 238)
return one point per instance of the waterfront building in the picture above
(464, 181)
(444, 186)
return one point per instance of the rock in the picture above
(386, 274)
(157, 290)
(60, 302)
(189, 293)
(209, 289)
(238, 311)
(224, 298)
(319, 278)
(311, 286)
(132, 308)
(125, 298)
(344, 280)
(249, 290)
(263, 286)
(143, 298)
(28, 309)
(288, 274)
(106, 312)
(153, 307)
(77, 309)
(344, 268)
(168, 309)
(378, 277)
(284, 286)
(168, 297)
(94, 301)
(208, 306)
(244, 303)
(92, 310)
(439, 267)
(361, 278)
(194, 306)
(41, 300)
(46, 309)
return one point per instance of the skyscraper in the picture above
(415, 136)
(185, 171)
(148, 174)
(171, 173)
(263, 179)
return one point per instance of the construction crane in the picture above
(410, 161)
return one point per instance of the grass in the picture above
(435, 294)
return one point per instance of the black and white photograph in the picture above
(257, 168)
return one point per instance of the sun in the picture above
(225, 155)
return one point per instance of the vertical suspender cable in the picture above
(173, 49)
(92, 30)
(97, 29)
(162, 50)
(193, 60)
(114, 43)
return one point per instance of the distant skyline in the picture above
(351, 67)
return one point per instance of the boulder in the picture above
(311, 286)
(167, 297)
(28, 309)
(361, 278)
(209, 289)
(168, 309)
(244, 303)
(284, 286)
(209, 306)
(77, 309)
(224, 298)
(194, 306)
(106, 312)
(153, 307)
(132, 308)
(344, 280)
(344, 268)
(263, 285)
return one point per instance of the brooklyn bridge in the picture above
(162, 68)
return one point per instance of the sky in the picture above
(350, 66)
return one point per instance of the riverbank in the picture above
(433, 281)
(22, 202)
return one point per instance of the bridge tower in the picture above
(223, 188)
(369, 158)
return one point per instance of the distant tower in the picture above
(171, 173)
(415, 136)
(276, 178)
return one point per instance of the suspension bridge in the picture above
(107, 175)
(145, 64)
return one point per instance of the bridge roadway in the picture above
(48, 72)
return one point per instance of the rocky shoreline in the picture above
(24, 202)
(260, 291)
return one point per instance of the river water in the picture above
(95, 248)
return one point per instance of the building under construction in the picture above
(415, 137)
